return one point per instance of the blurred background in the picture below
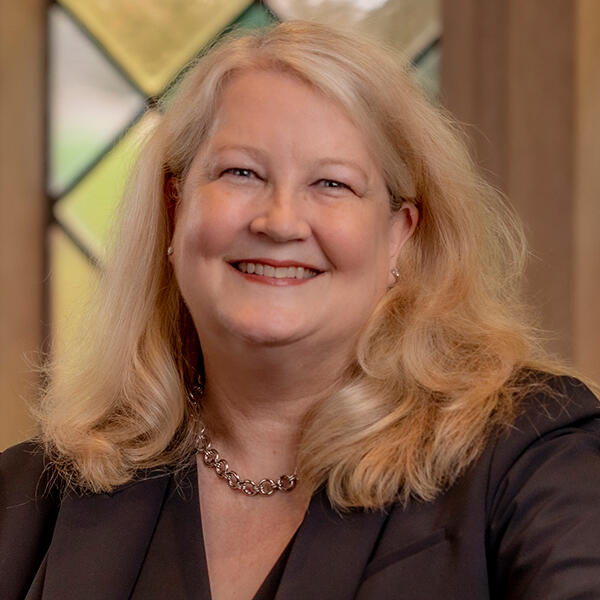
(80, 80)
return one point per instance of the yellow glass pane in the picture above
(253, 17)
(72, 279)
(153, 39)
(88, 209)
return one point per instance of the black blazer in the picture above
(522, 523)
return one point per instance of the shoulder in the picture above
(27, 490)
(558, 408)
(22, 469)
(29, 506)
(543, 475)
(557, 400)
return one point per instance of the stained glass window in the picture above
(86, 210)
(411, 26)
(111, 59)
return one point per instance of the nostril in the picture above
(281, 226)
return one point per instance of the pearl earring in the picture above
(169, 250)
(396, 275)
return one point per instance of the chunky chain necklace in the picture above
(264, 487)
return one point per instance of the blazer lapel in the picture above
(100, 541)
(175, 564)
(330, 552)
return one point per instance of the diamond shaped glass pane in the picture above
(90, 101)
(152, 39)
(72, 279)
(408, 25)
(87, 210)
(256, 15)
(428, 71)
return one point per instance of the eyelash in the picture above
(249, 173)
(240, 172)
(337, 185)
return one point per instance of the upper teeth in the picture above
(277, 272)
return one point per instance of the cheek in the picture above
(205, 226)
(359, 241)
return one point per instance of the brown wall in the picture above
(22, 207)
(524, 76)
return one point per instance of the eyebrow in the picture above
(260, 154)
(251, 150)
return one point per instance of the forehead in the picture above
(270, 85)
(260, 105)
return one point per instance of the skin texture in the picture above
(285, 178)
(264, 186)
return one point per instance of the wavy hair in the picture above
(437, 365)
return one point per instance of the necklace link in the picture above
(265, 487)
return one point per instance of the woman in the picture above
(310, 280)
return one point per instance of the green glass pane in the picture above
(408, 25)
(90, 101)
(72, 279)
(428, 72)
(87, 210)
(153, 39)
(256, 15)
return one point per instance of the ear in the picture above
(403, 224)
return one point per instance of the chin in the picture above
(262, 337)
(260, 333)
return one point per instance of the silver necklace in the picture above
(265, 487)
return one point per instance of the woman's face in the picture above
(283, 231)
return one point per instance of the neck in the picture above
(256, 399)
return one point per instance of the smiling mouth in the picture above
(286, 272)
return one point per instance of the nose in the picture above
(281, 218)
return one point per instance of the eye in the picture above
(332, 184)
(240, 172)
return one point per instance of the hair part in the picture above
(437, 366)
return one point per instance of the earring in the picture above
(169, 250)
(396, 275)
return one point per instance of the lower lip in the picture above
(276, 281)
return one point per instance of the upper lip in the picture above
(276, 263)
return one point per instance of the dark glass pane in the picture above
(428, 71)
(255, 15)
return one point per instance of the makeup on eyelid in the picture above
(226, 157)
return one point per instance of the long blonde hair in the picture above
(438, 362)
